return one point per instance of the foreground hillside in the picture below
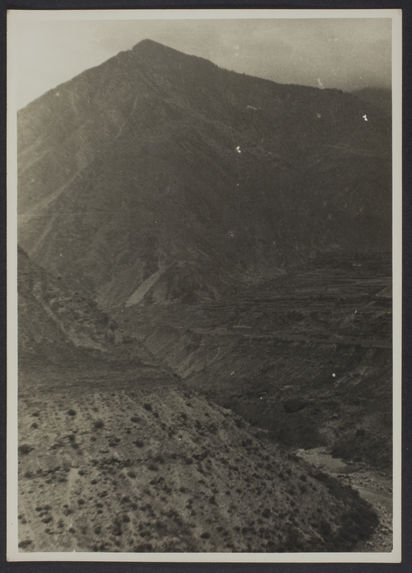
(141, 465)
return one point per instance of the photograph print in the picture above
(203, 264)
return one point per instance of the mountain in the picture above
(158, 177)
(380, 98)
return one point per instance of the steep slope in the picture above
(152, 468)
(59, 326)
(156, 158)
(380, 98)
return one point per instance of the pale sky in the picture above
(339, 53)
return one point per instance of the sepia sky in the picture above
(340, 53)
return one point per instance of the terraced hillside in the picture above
(307, 356)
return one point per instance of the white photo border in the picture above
(14, 17)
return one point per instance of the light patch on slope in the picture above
(141, 291)
(46, 202)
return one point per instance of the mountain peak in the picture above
(151, 48)
(151, 45)
(147, 42)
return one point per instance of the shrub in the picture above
(213, 429)
(148, 407)
(47, 519)
(98, 424)
(205, 535)
(324, 528)
(71, 412)
(25, 449)
(117, 528)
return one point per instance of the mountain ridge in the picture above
(158, 48)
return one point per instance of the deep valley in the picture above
(198, 443)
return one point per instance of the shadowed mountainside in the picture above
(156, 158)
(60, 326)
(307, 356)
(380, 98)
